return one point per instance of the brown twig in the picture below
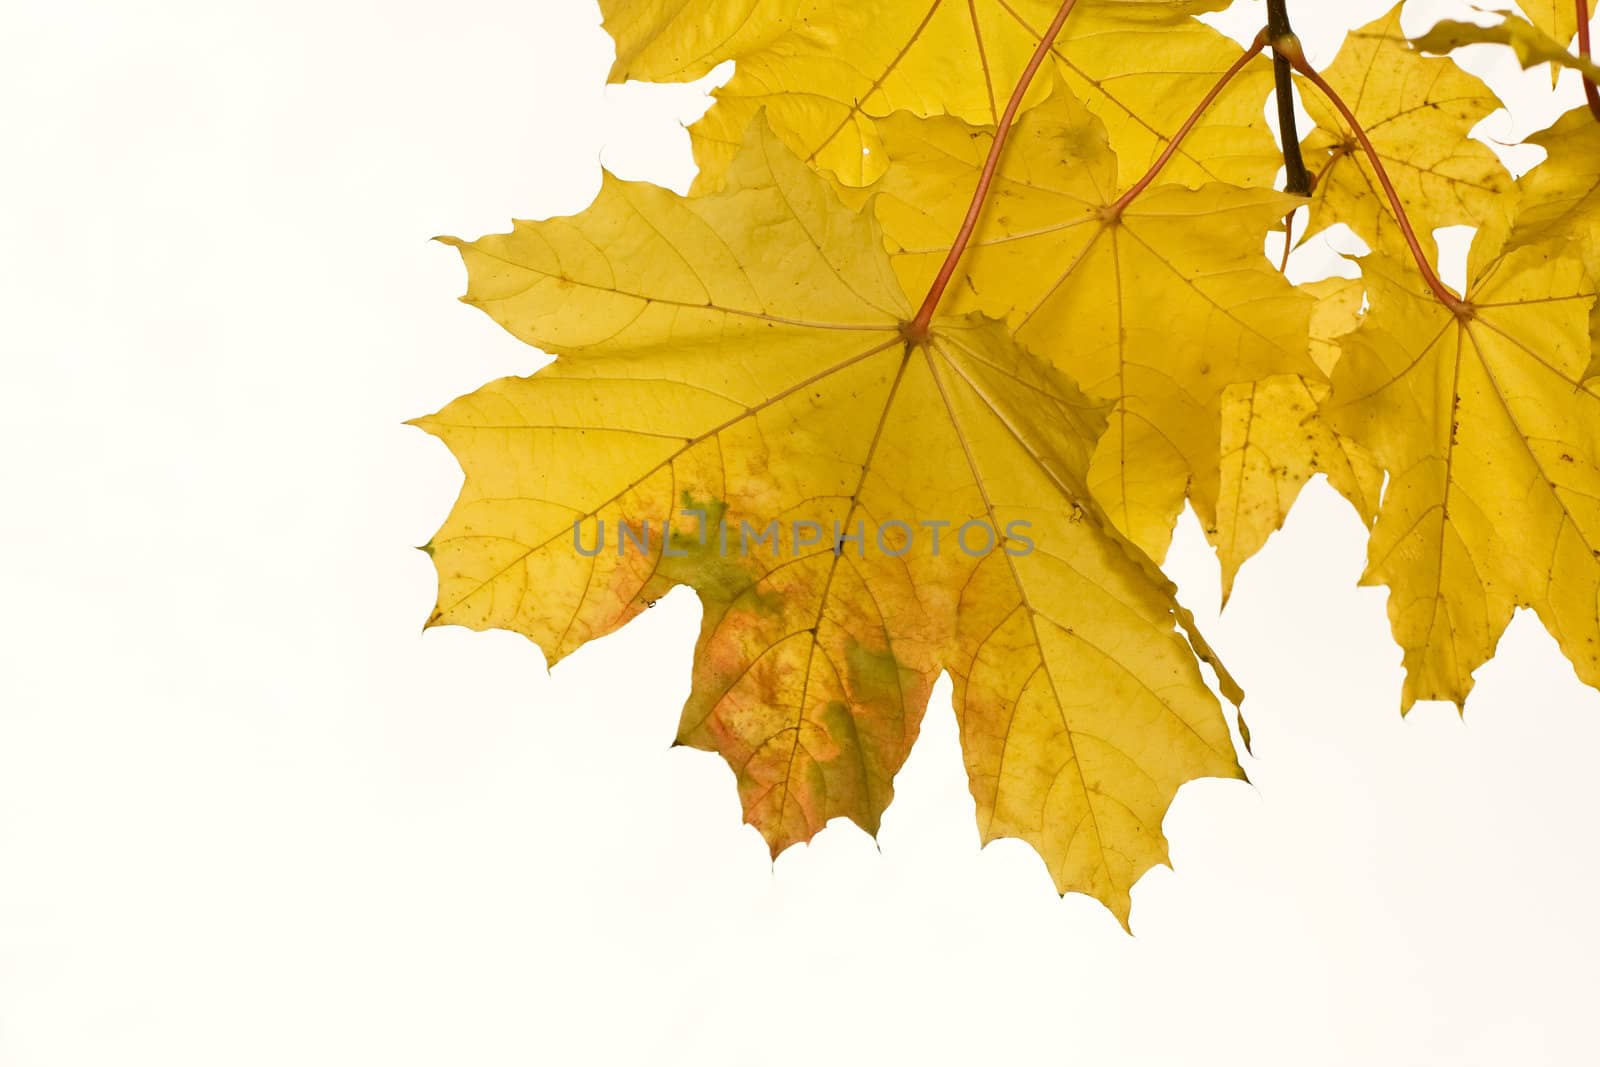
(1296, 179)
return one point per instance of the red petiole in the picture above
(1183, 131)
(917, 329)
(1590, 93)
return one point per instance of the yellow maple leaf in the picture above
(1157, 307)
(742, 358)
(827, 72)
(1491, 437)
(1418, 111)
(1274, 439)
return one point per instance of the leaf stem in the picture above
(917, 328)
(1344, 149)
(1590, 93)
(1183, 131)
(1450, 300)
(1296, 179)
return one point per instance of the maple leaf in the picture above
(1488, 429)
(826, 73)
(744, 356)
(1156, 305)
(1274, 439)
(1418, 112)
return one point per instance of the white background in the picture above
(249, 814)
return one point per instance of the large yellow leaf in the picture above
(741, 356)
(1157, 309)
(1491, 438)
(826, 71)
(1418, 111)
(1274, 439)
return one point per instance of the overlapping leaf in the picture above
(1417, 111)
(1531, 45)
(1157, 308)
(1274, 439)
(740, 356)
(826, 72)
(1556, 18)
(1559, 200)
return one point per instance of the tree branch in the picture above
(1297, 181)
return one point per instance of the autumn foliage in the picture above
(964, 266)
